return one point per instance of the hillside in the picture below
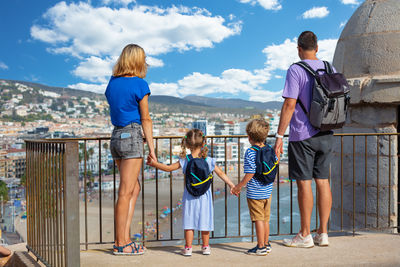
(234, 102)
(27, 101)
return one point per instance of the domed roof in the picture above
(370, 42)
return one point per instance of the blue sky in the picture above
(220, 48)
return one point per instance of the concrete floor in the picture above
(365, 249)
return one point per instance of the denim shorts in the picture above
(127, 142)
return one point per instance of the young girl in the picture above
(198, 212)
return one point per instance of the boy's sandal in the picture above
(135, 249)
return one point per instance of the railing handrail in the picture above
(181, 136)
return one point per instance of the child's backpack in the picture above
(198, 177)
(266, 164)
(330, 98)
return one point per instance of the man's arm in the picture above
(286, 115)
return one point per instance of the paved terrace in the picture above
(365, 249)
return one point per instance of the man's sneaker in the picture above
(268, 247)
(299, 241)
(206, 250)
(187, 251)
(321, 239)
(257, 251)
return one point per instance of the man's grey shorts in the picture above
(127, 142)
(311, 158)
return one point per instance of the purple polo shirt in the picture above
(299, 85)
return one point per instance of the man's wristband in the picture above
(278, 135)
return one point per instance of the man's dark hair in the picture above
(307, 41)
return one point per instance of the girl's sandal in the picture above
(135, 250)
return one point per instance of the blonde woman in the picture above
(127, 94)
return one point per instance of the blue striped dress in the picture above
(255, 189)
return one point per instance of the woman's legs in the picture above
(132, 204)
(129, 170)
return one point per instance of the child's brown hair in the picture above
(258, 130)
(194, 139)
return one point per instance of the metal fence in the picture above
(345, 185)
(52, 202)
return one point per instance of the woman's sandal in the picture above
(135, 249)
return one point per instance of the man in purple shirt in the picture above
(309, 149)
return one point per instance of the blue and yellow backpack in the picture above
(266, 164)
(198, 176)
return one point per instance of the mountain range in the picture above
(173, 104)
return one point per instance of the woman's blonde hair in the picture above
(131, 62)
(192, 140)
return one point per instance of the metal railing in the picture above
(160, 189)
(52, 202)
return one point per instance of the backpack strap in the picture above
(306, 67)
(310, 70)
(189, 157)
(255, 147)
(328, 67)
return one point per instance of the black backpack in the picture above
(266, 164)
(198, 177)
(330, 98)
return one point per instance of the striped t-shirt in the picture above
(255, 189)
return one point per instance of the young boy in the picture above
(258, 194)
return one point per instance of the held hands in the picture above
(232, 187)
(151, 159)
(236, 190)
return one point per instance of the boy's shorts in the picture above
(260, 209)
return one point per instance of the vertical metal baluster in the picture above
(226, 195)
(58, 210)
(316, 206)
(389, 180)
(239, 232)
(377, 181)
(354, 183)
(365, 182)
(278, 201)
(143, 210)
(100, 197)
(114, 196)
(170, 191)
(341, 183)
(157, 221)
(85, 193)
(212, 184)
(62, 208)
(291, 205)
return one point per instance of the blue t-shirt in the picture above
(123, 95)
(255, 189)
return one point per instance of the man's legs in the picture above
(324, 204)
(305, 199)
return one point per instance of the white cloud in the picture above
(170, 89)
(316, 12)
(3, 66)
(342, 24)
(267, 4)
(97, 88)
(350, 2)
(95, 35)
(241, 81)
